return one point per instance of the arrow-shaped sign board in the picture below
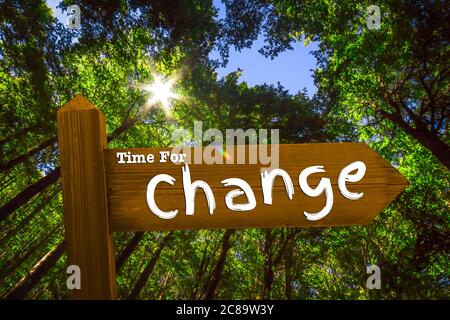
(107, 190)
(314, 185)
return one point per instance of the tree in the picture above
(399, 73)
(362, 76)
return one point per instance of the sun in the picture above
(161, 92)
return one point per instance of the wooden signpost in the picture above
(108, 190)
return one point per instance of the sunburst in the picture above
(161, 92)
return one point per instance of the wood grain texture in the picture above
(127, 183)
(82, 138)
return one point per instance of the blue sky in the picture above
(293, 69)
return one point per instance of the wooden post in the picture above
(82, 138)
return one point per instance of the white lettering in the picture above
(189, 192)
(345, 176)
(324, 185)
(151, 196)
(246, 189)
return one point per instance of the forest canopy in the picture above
(388, 87)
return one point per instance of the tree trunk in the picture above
(211, 287)
(143, 277)
(200, 272)
(48, 180)
(22, 158)
(18, 134)
(28, 193)
(125, 254)
(438, 147)
(32, 247)
(431, 141)
(288, 273)
(126, 124)
(39, 270)
(12, 232)
(268, 264)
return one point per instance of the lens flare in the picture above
(222, 151)
(161, 93)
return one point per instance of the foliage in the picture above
(387, 87)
